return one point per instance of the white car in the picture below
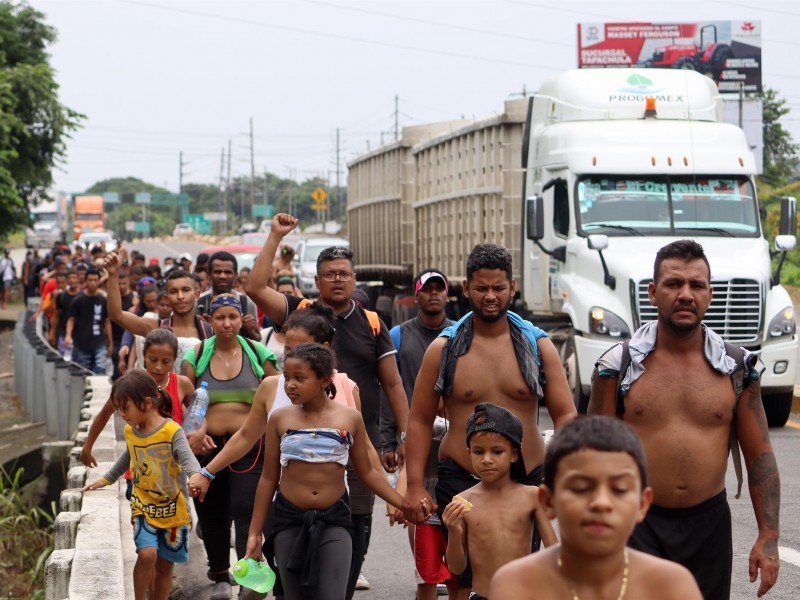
(182, 229)
(102, 238)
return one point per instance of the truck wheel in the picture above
(777, 407)
(569, 360)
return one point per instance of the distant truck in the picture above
(89, 214)
(583, 183)
(49, 223)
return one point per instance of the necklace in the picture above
(222, 358)
(622, 589)
(321, 413)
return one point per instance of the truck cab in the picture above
(621, 162)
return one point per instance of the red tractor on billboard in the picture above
(709, 57)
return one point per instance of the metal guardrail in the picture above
(87, 562)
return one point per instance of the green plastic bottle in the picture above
(254, 575)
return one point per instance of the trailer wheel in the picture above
(777, 407)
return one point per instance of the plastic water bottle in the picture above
(393, 478)
(109, 366)
(196, 412)
(255, 575)
(68, 353)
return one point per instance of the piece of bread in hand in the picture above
(467, 504)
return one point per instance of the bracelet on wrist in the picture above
(207, 474)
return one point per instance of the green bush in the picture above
(26, 540)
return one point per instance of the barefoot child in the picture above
(492, 522)
(307, 447)
(595, 483)
(159, 458)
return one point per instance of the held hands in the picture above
(764, 557)
(418, 504)
(395, 516)
(282, 224)
(198, 486)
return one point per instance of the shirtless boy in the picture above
(680, 400)
(596, 486)
(490, 353)
(492, 521)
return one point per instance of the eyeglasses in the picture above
(333, 275)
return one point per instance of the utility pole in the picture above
(396, 117)
(221, 200)
(228, 182)
(180, 172)
(338, 214)
(252, 170)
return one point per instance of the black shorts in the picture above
(699, 538)
(454, 479)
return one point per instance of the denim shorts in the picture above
(172, 544)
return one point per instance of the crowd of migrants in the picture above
(316, 406)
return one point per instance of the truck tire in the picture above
(777, 407)
(569, 360)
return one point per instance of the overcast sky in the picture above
(156, 78)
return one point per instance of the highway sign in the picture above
(319, 195)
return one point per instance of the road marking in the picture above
(789, 555)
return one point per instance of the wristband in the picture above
(207, 474)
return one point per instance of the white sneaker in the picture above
(221, 591)
(361, 582)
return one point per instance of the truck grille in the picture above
(735, 311)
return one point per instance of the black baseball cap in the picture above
(494, 418)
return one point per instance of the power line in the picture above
(335, 36)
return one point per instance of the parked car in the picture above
(248, 228)
(182, 229)
(305, 260)
(245, 254)
(94, 238)
(254, 239)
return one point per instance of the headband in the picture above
(225, 300)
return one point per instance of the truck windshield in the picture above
(624, 206)
(88, 217)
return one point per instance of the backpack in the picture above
(372, 316)
(257, 354)
(203, 327)
(738, 379)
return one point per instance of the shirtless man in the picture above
(489, 358)
(683, 407)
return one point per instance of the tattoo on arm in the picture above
(765, 488)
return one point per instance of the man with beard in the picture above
(679, 392)
(491, 354)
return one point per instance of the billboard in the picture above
(727, 51)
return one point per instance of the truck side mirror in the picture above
(534, 217)
(788, 225)
(598, 241)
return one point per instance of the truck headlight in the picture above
(782, 324)
(604, 322)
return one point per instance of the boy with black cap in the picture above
(492, 522)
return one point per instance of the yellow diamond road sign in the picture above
(319, 195)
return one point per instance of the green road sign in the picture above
(263, 210)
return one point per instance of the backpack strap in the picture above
(374, 322)
(625, 361)
(739, 381)
(396, 334)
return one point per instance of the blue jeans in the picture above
(94, 360)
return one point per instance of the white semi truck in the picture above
(584, 182)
